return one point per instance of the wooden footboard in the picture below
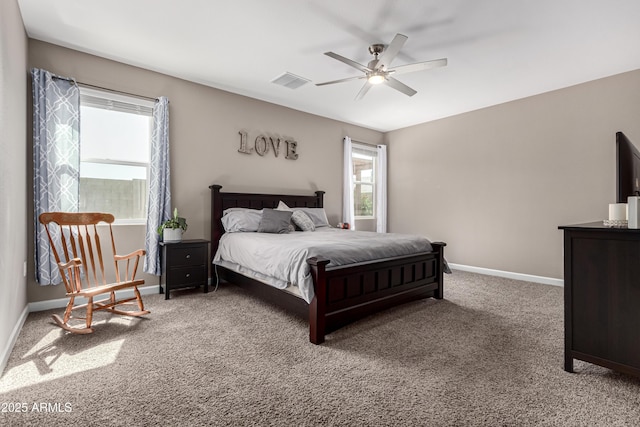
(345, 294)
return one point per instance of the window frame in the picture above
(126, 104)
(373, 153)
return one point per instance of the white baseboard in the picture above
(509, 275)
(62, 302)
(6, 352)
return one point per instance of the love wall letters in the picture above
(263, 144)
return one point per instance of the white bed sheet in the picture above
(281, 259)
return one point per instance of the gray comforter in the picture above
(281, 259)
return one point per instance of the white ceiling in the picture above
(498, 50)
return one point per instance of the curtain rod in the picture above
(104, 88)
(365, 143)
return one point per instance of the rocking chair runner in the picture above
(76, 247)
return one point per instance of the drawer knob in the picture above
(188, 275)
(188, 256)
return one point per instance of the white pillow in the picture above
(241, 220)
(282, 206)
(226, 211)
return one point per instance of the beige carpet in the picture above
(490, 353)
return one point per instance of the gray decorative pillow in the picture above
(274, 221)
(302, 221)
(282, 206)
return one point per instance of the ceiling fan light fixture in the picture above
(378, 70)
(376, 78)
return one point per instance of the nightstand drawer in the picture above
(186, 275)
(187, 256)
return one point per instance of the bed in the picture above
(341, 294)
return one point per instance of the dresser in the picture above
(184, 264)
(602, 296)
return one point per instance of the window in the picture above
(364, 182)
(115, 140)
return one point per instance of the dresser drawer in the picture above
(187, 256)
(183, 276)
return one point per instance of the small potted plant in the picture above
(172, 229)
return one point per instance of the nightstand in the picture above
(184, 264)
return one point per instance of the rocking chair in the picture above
(75, 244)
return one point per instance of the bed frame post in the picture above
(216, 215)
(318, 308)
(439, 248)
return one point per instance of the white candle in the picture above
(617, 211)
(633, 211)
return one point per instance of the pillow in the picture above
(283, 207)
(226, 211)
(302, 221)
(236, 220)
(274, 221)
(317, 215)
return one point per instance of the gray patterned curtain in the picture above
(159, 208)
(56, 160)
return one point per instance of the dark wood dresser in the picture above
(602, 296)
(185, 263)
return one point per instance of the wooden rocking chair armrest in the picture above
(75, 262)
(138, 253)
(132, 261)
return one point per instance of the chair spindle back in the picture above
(75, 236)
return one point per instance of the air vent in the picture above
(290, 80)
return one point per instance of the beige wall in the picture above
(204, 142)
(13, 172)
(496, 183)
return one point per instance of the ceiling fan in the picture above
(377, 70)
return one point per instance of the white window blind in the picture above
(116, 102)
(115, 133)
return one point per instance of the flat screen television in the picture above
(627, 168)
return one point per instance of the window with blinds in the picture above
(364, 160)
(115, 136)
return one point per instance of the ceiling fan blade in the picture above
(391, 51)
(419, 66)
(348, 61)
(363, 91)
(397, 85)
(341, 80)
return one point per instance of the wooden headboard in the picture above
(221, 201)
